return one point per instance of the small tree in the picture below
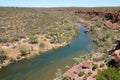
(2, 55)
(33, 39)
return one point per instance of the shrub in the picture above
(102, 65)
(1, 65)
(59, 74)
(15, 38)
(85, 78)
(89, 73)
(3, 40)
(81, 73)
(94, 59)
(41, 45)
(32, 48)
(110, 74)
(95, 66)
(24, 51)
(2, 52)
(2, 55)
(18, 57)
(33, 39)
(105, 57)
(66, 78)
(12, 59)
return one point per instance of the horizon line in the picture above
(59, 6)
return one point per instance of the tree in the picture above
(109, 74)
(2, 55)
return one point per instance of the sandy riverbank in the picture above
(13, 49)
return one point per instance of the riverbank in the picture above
(48, 62)
(107, 43)
(13, 49)
(34, 32)
(89, 67)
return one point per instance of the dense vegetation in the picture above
(105, 38)
(110, 74)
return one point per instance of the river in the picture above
(44, 67)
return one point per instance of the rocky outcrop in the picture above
(87, 65)
(116, 57)
(112, 16)
(86, 68)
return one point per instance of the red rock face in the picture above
(118, 18)
(112, 16)
(79, 12)
(117, 57)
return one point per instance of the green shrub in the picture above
(33, 39)
(15, 38)
(41, 45)
(83, 57)
(3, 40)
(66, 78)
(94, 59)
(18, 57)
(1, 65)
(104, 57)
(95, 66)
(2, 55)
(24, 51)
(102, 65)
(2, 52)
(89, 73)
(110, 74)
(81, 73)
(12, 59)
(59, 74)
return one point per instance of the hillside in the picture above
(28, 32)
(32, 31)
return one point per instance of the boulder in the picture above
(87, 65)
(117, 52)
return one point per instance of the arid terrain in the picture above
(28, 32)
(104, 25)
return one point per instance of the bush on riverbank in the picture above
(24, 51)
(41, 45)
(33, 39)
(104, 57)
(2, 55)
(59, 75)
(84, 57)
